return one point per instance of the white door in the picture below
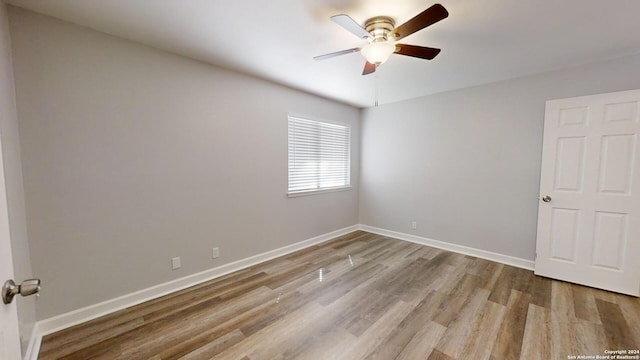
(589, 222)
(9, 335)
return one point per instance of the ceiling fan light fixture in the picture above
(378, 52)
(383, 34)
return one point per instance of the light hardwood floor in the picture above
(364, 296)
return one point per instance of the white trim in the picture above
(318, 191)
(484, 254)
(33, 349)
(62, 321)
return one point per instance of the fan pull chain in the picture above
(377, 88)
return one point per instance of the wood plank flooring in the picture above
(364, 296)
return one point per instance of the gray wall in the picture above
(132, 156)
(13, 179)
(466, 164)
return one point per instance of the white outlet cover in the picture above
(175, 263)
(215, 253)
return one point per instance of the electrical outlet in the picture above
(215, 253)
(175, 263)
(414, 225)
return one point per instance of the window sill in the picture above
(316, 192)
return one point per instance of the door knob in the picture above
(28, 287)
(546, 198)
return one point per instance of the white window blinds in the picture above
(319, 155)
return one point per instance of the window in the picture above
(319, 156)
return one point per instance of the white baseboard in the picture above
(501, 258)
(63, 321)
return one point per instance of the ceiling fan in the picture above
(382, 35)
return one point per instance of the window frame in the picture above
(319, 190)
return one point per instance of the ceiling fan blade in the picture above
(351, 25)
(417, 51)
(428, 17)
(368, 68)
(337, 53)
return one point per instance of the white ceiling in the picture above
(482, 40)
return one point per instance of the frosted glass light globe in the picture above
(378, 52)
